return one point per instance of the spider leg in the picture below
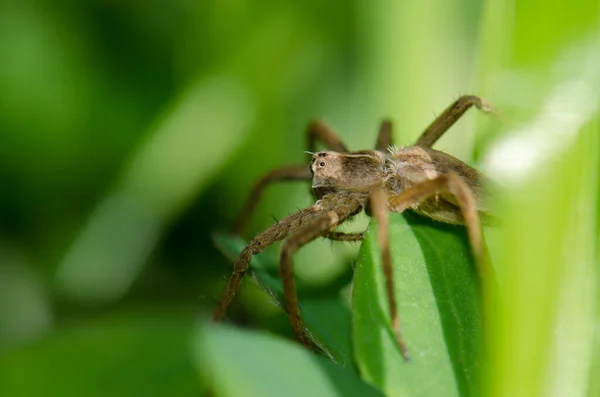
(380, 211)
(384, 139)
(317, 130)
(289, 173)
(319, 226)
(276, 232)
(452, 183)
(340, 236)
(452, 113)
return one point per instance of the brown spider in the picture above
(388, 178)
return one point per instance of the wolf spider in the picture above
(386, 179)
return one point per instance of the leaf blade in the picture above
(439, 307)
(264, 365)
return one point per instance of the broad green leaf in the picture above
(325, 315)
(235, 362)
(134, 356)
(439, 307)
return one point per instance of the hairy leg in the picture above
(276, 232)
(340, 236)
(289, 173)
(319, 226)
(380, 211)
(318, 131)
(464, 196)
(384, 139)
(452, 113)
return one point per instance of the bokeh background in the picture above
(130, 131)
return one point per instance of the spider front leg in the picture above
(379, 209)
(276, 232)
(317, 131)
(452, 113)
(319, 226)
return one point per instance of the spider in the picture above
(417, 177)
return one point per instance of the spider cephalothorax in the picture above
(386, 179)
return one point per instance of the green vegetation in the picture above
(130, 134)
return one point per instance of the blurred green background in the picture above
(129, 131)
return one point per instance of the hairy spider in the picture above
(386, 179)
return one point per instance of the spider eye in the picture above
(322, 164)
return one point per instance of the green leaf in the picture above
(325, 315)
(113, 357)
(234, 362)
(439, 307)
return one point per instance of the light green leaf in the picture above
(244, 363)
(547, 85)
